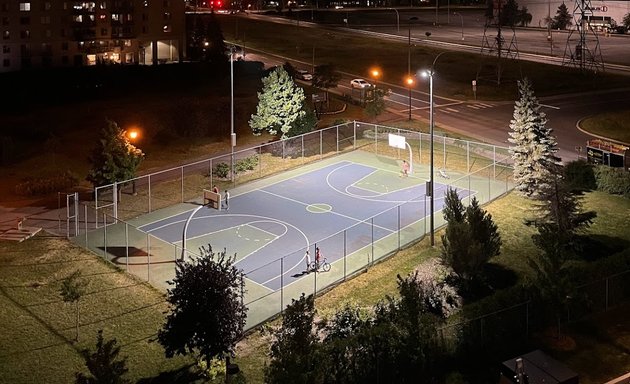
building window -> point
(45, 19)
(102, 5)
(25, 49)
(46, 6)
(64, 46)
(48, 33)
(6, 49)
(25, 7)
(145, 17)
(64, 60)
(25, 34)
(127, 43)
(144, 29)
(6, 62)
(167, 15)
(25, 20)
(6, 35)
(167, 3)
(5, 7)
(166, 28)
(5, 21)
(146, 3)
(103, 31)
(102, 17)
(63, 33)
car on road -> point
(303, 75)
(359, 83)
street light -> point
(409, 79)
(232, 134)
(397, 18)
(430, 74)
(462, 18)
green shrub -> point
(615, 181)
(42, 186)
(246, 164)
(579, 176)
(221, 170)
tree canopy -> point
(562, 20)
(280, 105)
(114, 158)
(533, 145)
(207, 313)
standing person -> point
(215, 189)
(226, 200)
(307, 255)
(405, 168)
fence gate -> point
(71, 212)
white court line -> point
(166, 218)
(452, 110)
(472, 107)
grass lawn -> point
(614, 125)
(38, 327)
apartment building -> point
(57, 33)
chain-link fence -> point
(110, 226)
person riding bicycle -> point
(318, 257)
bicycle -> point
(322, 265)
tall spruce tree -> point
(562, 20)
(280, 104)
(533, 145)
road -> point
(489, 121)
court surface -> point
(284, 219)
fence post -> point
(607, 293)
(337, 139)
(281, 284)
(468, 156)
(376, 139)
(182, 173)
(354, 141)
(398, 227)
(315, 276)
(149, 192)
(321, 145)
(345, 253)
(443, 151)
(303, 159)
(115, 199)
(148, 257)
(372, 227)
(127, 246)
(527, 318)
(104, 236)
(85, 208)
(494, 162)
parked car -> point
(303, 75)
(359, 83)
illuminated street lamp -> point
(133, 134)
(375, 73)
(429, 74)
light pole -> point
(232, 134)
(397, 18)
(462, 18)
(430, 74)
(409, 80)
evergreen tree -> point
(103, 364)
(562, 20)
(294, 350)
(114, 158)
(509, 13)
(533, 145)
(280, 104)
(217, 50)
(626, 21)
(524, 17)
(72, 288)
(471, 238)
(560, 219)
(207, 314)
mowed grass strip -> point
(614, 125)
(38, 327)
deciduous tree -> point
(72, 289)
(325, 77)
(207, 313)
(280, 105)
(114, 158)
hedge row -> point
(222, 170)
